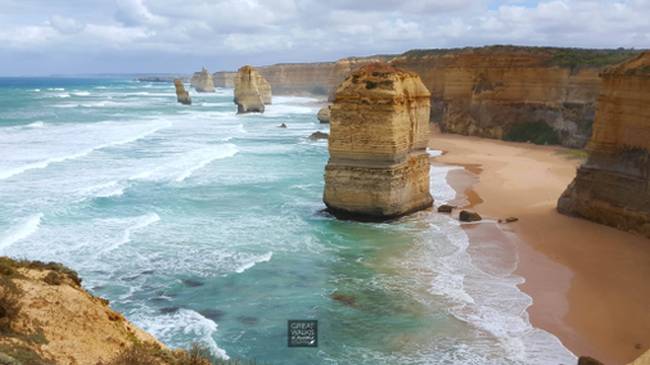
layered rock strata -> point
(252, 91)
(542, 95)
(182, 96)
(613, 186)
(202, 81)
(379, 128)
(324, 114)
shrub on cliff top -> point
(535, 132)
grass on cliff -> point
(146, 354)
(535, 132)
(577, 57)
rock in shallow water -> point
(324, 113)
(445, 208)
(318, 135)
(467, 216)
(378, 167)
(182, 96)
(202, 81)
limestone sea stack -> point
(613, 186)
(252, 91)
(378, 166)
(182, 96)
(324, 114)
(202, 81)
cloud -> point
(228, 32)
(66, 25)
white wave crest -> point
(229, 150)
(141, 222)
(254, 261)
(45, 163)
(167, 328)
(22, 231)
(81, 93)
(37, 124)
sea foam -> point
(28, 227)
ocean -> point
(205, 226)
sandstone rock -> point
(643, 359)
(182, 96)
(318, 135)
(252, 91)
(445, 208)
(283, 125)
(378, 166)
(202, 81)
(224, 79)
(611, 187)
(586, 360)
(323, 115)
(511, 220)
(467, 216)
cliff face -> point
(543, 95)
(182, 96)
(224, 79)
(252, 91)
(613, 186)
(46, 317)
(202, 81)
(378, 166)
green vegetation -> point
(535, 132)
(574, 154)
(577, 57)
(146, 354)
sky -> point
(44, 37)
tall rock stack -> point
(379, 129)
(182, 96)
(202, 81)
(252, 91)
(613, 186)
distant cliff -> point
(613, 186)
(542, 95)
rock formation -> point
(378, 166)
(182, 96)
(224, 79)
(202, 81)
(613, 186)
(324, 113)
(252, 91)
(545, 95)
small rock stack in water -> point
(252, 91)
(182, 96)
(613, 186)
(379, 129)
(202, 81)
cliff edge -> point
(613, 186)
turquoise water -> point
(204, 226)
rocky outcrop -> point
(202, 81)
(378, 166)
(252, 91)
(542, 95)
(182, 96)
(48, 318)
(613, 186)
(224, 79)
(324, 113)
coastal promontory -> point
(252, 91)
(378, 166)
(612, 186)
(202, 81)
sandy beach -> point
(589, 282)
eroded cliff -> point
(202, 81)
(613, 186)
(379, 128)
(542, 95)
(252, 91)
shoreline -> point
(574, 270)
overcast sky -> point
(40, 37)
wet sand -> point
(590, 283)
